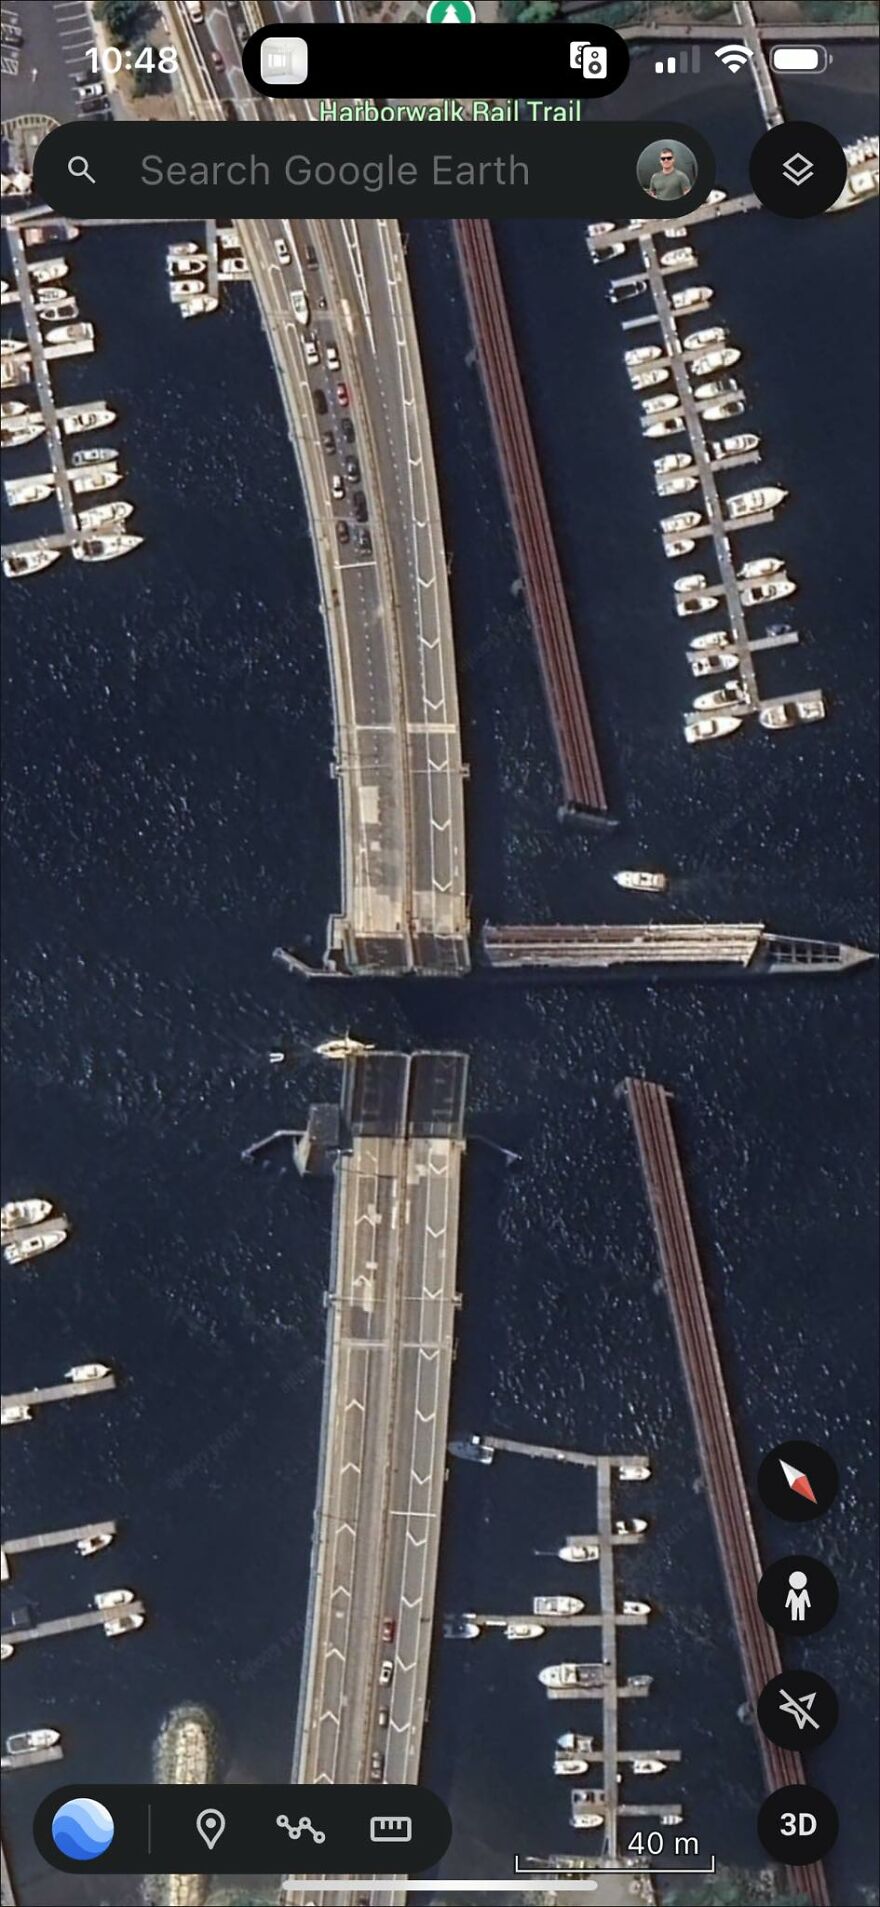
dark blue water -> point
(170, 816)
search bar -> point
(290, 169)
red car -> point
(389, 1628)
(342, 394)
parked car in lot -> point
(329, 442)
(343, 533)
(338, 488)
(94, 90)
(332, 358)
(365, 542)
(353, 469)
(346, 425)
(383, 1717)
(359, 506)
(319, 399)
(96, 107)
(311, 258)
(377, 1765)
(389, 1629)
(216, 59)
(282, 252)
(342, 395)
(313, 355)
(385, 1673)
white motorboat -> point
(345, 1048)
(113, 1598)
(731, 695)
(770, 592)
(754, 502)
(675, 486)
(667, 401)
(634, 1472)
(14, 1414)
(103, 549)
(665, 427)
(695, 605)
(522, 1631)
(579, 1553)
(704, 340)
(729, 407)
(720, 360)
(641, 880)
(679, 546)
(709, 728)
(654, 374)
(760, 566)
(31, 1739)
(85, 1373)
(642, 354)
(679, 524)
(674, 460)
(197, 307)
(719, 662)
(22, 1213)
(26, 1245)
(122, 1625)
(633, 1608)
(557, 1605)
(90, 1545)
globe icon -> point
(82, 1829)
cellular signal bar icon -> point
(684, 62)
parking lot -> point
(38, 74)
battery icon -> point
(799, 59)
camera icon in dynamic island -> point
(590, 60)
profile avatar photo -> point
(667, 170)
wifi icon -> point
(734, 55)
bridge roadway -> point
(391, 1312)
(386, 607)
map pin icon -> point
(210, 1824)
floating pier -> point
(32, 1758)
(582, 785)
(50, 1539)
(601, 1678)
(725, 1491)
(70, 1625)
(550, 1454)
(59, 1393)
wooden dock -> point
(60, 1393)
(70, 1625)
(725, 1490)
(49, 1539)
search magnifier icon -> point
(78, 167)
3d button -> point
(798, 1825)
